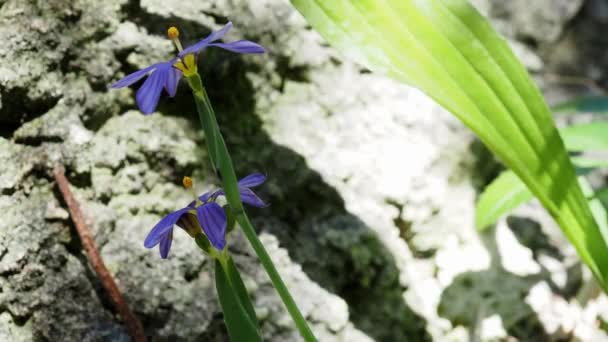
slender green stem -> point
(220, 158)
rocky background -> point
(372, 185)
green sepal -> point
(237, 319)
(203, 242)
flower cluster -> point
(166, 75)
(203, 214)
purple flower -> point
(239, 46)
(247, 195)
(167, 74)
(161, 75)
(205, 214)
(209, 216)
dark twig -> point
(133, 324)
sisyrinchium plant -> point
(204, 219)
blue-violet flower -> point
(167, 74)
(205, 214)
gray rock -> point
(372, 185)
(541, 21)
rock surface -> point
(372, 185)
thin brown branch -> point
(133, 324)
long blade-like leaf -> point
(449, 51)
(503, 195)
(240, 290)
(237, 319)
(507, 191)
(591, 136)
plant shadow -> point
(499, 292)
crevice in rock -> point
(406, 233)
(8, 191)
(19, 321)
(216, 330)
(191, 275)
(36, 141)
(81, 180)
(17, 108)
(291, 73)
(486, 167)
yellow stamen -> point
(189, 184)
(173, 32)
(187, 181)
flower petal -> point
(162, 227)
(172, 81)
(215, 35)
(149, 93)
(134, 77)
(165, 244)
(249, 197)
(252, 180)
(240, 46)
(213, 221)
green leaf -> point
(589, 162)
(597, 207)
(507, 192)
(503, 195)
(586, 137)
(450, 52)
(241, 291)
(239, 325)
(590, 104)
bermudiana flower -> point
(203, 214)
(247, 195)
(167, 74)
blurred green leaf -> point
(500, 197)
(590, 162)
(591, 136)
(241, 291)
(450, 52)
(602, 196)
(589, 104)
(507, 192)
(596, 205)
(237, 319)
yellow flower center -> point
(187, 65)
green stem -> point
(220, 158)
